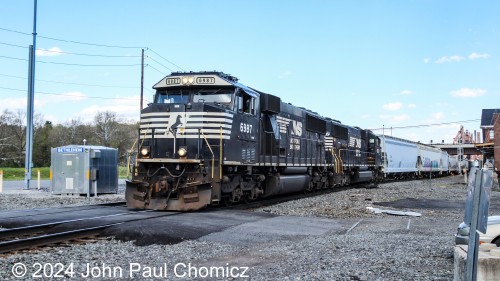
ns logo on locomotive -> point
(207, 139)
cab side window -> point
(245, 103)
(248, 104)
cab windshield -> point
(222, 96)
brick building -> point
(496, 141)
(487, 123)
(490, 125)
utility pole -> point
(28, 165)
(142, 79)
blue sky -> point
(370, 64)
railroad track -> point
(34, 236)
(56, 210)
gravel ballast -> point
(368, 247)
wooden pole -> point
(142, 79)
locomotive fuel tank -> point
(282, 184)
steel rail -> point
(57, 209)
(12, 232)
(26, 243)
(47, 239)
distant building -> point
(487, 122)
(463, 136)
(490, 124)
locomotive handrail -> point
(220, 155)
(338, 161)
(211, 151)
(130, 155)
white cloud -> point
(124, 107)
(412, 105)
(450, 59)
(468, 93)
(69, 96)
(474, 56)
(406, 92)
(43, 99)
(392, 106)
(13, 104)
(427, 60)
(54, 51)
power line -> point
(12, 58)
(166, 60)
(14, 45)
(68, 95)
(92, 44)
(87, 55)
(99, 65)
(74, 42)
(71, 53)
(69, 83)
(159, 71)
(426, 125)
(89, 97)
(15, 31)
(151, 58)
(75, 64)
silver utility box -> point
(88, 170)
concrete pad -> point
(488, 268)
(273, 229)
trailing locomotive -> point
(207, 139)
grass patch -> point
(122, 172)
(18, 173)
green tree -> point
(42, 145)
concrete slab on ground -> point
(488, 268)
(272, 229)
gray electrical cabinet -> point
(85, 170)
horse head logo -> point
(176, 122)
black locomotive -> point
(207, 140)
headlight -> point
(145, 151)
(464, 231)
(182, 152)
(187, 80)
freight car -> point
(431, 160)
(207, 139)
(399, 157)
(404, 159)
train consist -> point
(208, 140)
(404, 159)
